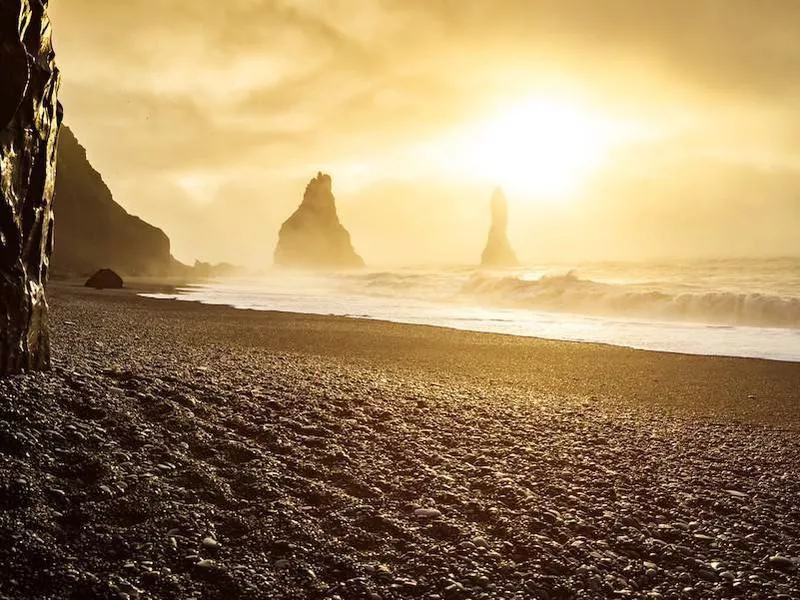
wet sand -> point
(178, 450)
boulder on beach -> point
(105, 279)
(498, 251)
(313, 237)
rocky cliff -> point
(29, 120)
(313, 237)
(92, 230)
(498, 251)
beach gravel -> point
(186, 451)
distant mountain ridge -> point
(92, 231)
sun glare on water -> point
(542, 149)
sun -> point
(542, 149)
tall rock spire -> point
(498, 251)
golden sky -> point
(619, 129)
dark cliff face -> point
(92, 230)
(498, 251)
(313, 237)
(29, 121)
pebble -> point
(782, 563)
(206, 563)
(427, 513)
(736, 493)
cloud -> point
(251, 94)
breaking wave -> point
(570, 293)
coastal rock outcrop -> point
(93, 231)
(105, 279)
(313, 237)
(498, 251)
(30, 116)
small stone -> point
(57, 493)
(206, 563)
(383, 572)
(427, 513)
(736, 493)
(210, 542)
(781, 563)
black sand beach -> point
(187, 451)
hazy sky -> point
(675, 123)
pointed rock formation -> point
(30, 116)
(498, 251)
(92, 230)
(313, 237)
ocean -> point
(748, 308)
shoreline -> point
(759, 342)
(474, 331)
(740, 383)
(158, 287)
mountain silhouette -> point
(92, 231)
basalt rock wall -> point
(30, 116)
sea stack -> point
(498, 251)
(313, 237)
(30, 116)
